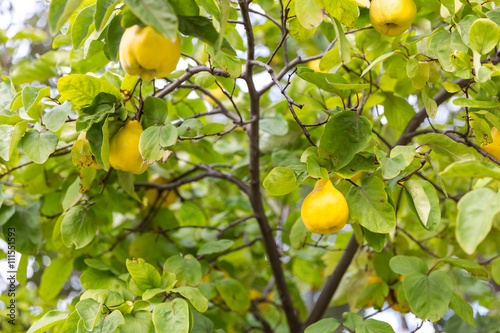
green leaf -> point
(81, 89)
(462, 308)
(102, 106)
(398, 112)
(103, 10)
(154, 140)
(171, 317)
(71, 323)
(374, 326)
(369, 206)
(280, 181)
(98, 136)
(55, 118)
(426, 202)
(202, 28)
(476, 211)
(405, 265)
(140, 322)
(186, 269)
(126, 180)
(145, 275)
(199, 302)
(90, 311)
(204, 79)
(309, 12)
(469, 265)
(155, 112)
(217, 246)
(31, 98)
(428, 295)
(110, 323)
(473, 103)
(227, 63)
(472, 169)
(185, 7)
(376, 61)
(190, 128)
(114, 33)
(430, 104)
(443, 44)
(324, 81)
(298, 234)
(10, 136)
(60, 11)
(234, 294)
(54, 276)
(463, 65)
(78, 227)
(484, 35)
(326, 325)
(418, 72)
(191, 214)
(27, 222)
(81, 26)
(39, 145)
(376, 241)
(443, 145)
(345, 46)
(49, 320)
(400, 158)
(346, 11)
(276, 125)
(495, 270)
(344, 136)
(157, 14)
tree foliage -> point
(268, 97)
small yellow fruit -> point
(392, 17)
(493, 148)
(167, 198)
(324, 210)
(94, 164)
(254, 294)
(145, 52)
(314, 65)
(124, 151)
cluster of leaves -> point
(217, 130)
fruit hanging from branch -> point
(392, 17)
(124, 151)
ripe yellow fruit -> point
(167, 198)
(254, 294)
(124, 151)
(145, 52)
(325, 209)
(314, 65)
(93, 164)
(493, 148)
(392, 17)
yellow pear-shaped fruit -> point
(324, 210)
(493, 148)
(167, 198)
(124, 151)
(145, 52)
(392, 17)
(93, 164)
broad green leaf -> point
(191, 214)
(405, 265)
(27, 222)
(126, 180)
(280, 181)
(102, 106)
(185, 7)
(469, 265)
(462, 308)
(298, 234)
(326, 325)
(39, 145)
(98, 136)
(276, 125)
(60, 11)
(81, 89)
(55, 118)
(234, 294)
(476, 211)
(31, 98)
(426, 202)
(484, 35)
(430, 104)
(49, 320)
(171, 317)
(154, 140)
(157, 14)
(374, 326)
(443, 44)
(145, 275)
(140, 322)
(81, 26)
(90, 311)
(418, 72)
(103, 10)
(204, 79)
(201, 27)
(472, 169)
(369, 206)
(344, 136)
(229, 64)
(217, 246)
(154, 112)
(190, 128)
(463, 65)
(443, 145)
(376, 61)
(344, 45)
(474, 103)
(398, 112)
(186, 269)
(495, 270)
(195, 297)
(324, 81)
(71, 323)
(114, 33)
(400, 157)
(376, 241)
(10, 136)
(78, 227)
(110, 322)
(307, 271)
(428, 295)
(309, 12)
(346, 11)
(54, 276)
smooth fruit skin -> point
(124, 151)
(146, 53)
(392, 17)
(493, 148)
(325, 209)
(167, 198)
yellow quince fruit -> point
(167, 198)
(124, 151)
(83, 145)
(325, 209)
(493, 148)
(146, 53)
(392, 17)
